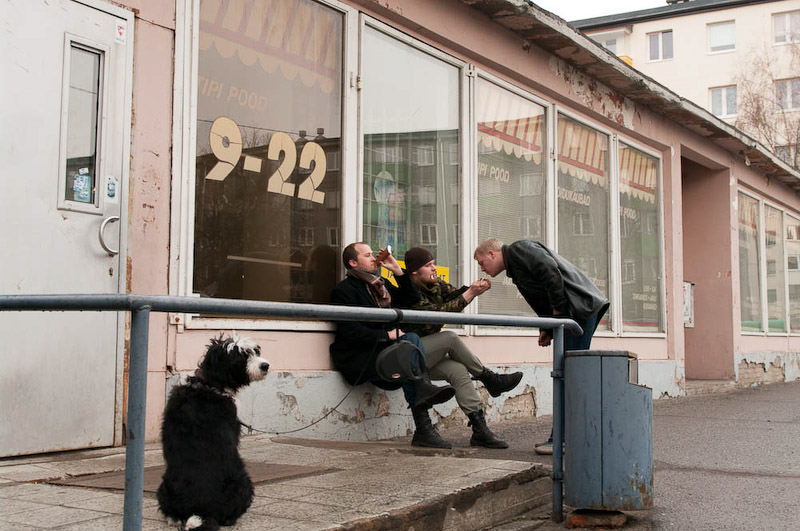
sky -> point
(579, 9)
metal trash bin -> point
(608, 432)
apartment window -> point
(582, 224)
(787, 94)
(723, 101)
(429, 234)
(660, 45)
(722, 37)
(786, 27)
(611, 45)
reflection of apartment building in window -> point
(582, 224)
(723, 55)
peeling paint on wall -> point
(594, 95)
(766, 367)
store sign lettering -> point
(226, 144)
(629, 213)
(574, 197)
(233, 94)
(494, 172)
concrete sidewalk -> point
(364, 486)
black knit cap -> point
(417, 257)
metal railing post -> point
(558, 423)
(137, 395)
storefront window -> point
(776, 297)
(793, 271)
(410, 119)
(749, 264)
(640, 230)
(512, 182)
(583, 202)
(269, 122)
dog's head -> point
(233, 362)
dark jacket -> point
(547, 281)
(357, 344)
(437, 297)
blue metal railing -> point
(140, 307)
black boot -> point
(498, 384)
(425, 435)
(429, 394)
(481, 434)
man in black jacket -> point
(551, 285)
(357, 345)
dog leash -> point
(352, 387)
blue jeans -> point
(583, 342)
(409, 386)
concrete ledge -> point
(483, 505)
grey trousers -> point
(449, 359)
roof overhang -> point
(553, 34)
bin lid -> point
(601, 353)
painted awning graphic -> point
(638, 174)
(509, 123)
(299, 38)
(582, 152)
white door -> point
(64, 137)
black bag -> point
(401, 360)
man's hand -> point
(481, 286)
(391, 264)
(394, 334)
(544, 338)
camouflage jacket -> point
(441, 297)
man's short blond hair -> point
(489, 244)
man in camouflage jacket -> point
(448, 357)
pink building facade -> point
(265, 135)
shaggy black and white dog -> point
(205, 484)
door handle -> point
(106, 248)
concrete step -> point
(709, 387)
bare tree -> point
(768, 107)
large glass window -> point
(583, 201)
(269, 123)
(776, 297)
(793, 270)
(749, 263)
(640, 240)
(410, 120)
(511, 180)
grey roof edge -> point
(748, 148)
(668, 11)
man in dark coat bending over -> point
(552, 287)
(355, 349)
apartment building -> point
(740, 59)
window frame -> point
(792, 104)
(709, 27)
(791, 38)
(660, 46)
(724, 90)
